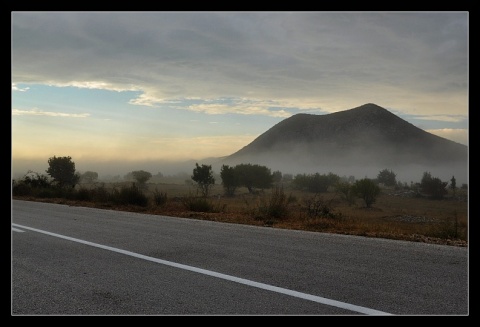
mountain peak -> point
(367, 135)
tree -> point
(453, 185)
(277, 177)
(387, 177)
(254, 176)
(141, 176)
(89, 177)
(433, 186)
(203, 176)
(315, 183)
(367, 190)
(229, 179)
(62, 170)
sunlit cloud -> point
(444, 118)
(456, 135)
(37, 112)
(145, 100)
(238, 108)
(97, 85)
(16, 88)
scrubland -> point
(399, 214)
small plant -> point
(159, 198)
(197, 204)
(277, 205)
(448, 228)
(316, 207)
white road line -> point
(300, 295)
(18, 230)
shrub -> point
(276, 206)
(159, 198)
(197, 204)
(21, 189)
(100, 194)
(387, 177)
(367, 190)
(130, 195)
(84, 194)
(433, 186)
(317, 207)
(345, 190)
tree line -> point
(254, 177)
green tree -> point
(88, 177)
(254, 176)
(203, 176)
(433, 186)
(367, 190)
(387, 177)
(230, 180)
(141, 176)
(62, 170)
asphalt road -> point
(83, 261)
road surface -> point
(84, 261)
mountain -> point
(363, 140)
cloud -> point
(444, 118)
(456, 135)
(99, 85)
(250, 108)
(16, 88)
(332, 60)
(37, 112)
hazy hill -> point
(358, 141)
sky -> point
(123, 91)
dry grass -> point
(393, 215)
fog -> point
(298, 161)
(404, 173)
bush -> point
(21, 189)
(315, 183)
(100, 194)
(277, 205)
(345, 189)
(387, 177)
(48, 193)
(130, 195)
(367, 190)
(433, 186)
(30, 184)
(84, 195)
(197, 204)
(159, 198)
(316, 207)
